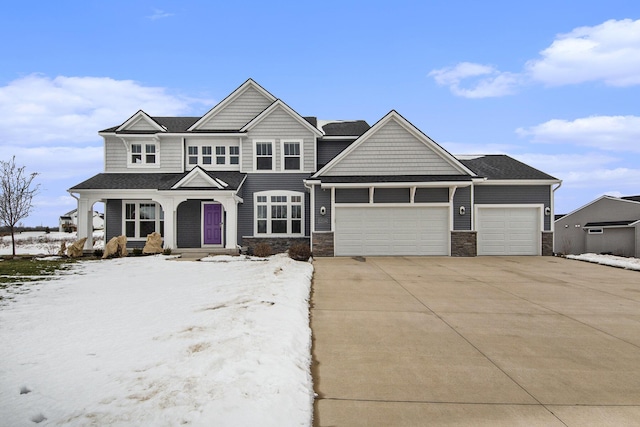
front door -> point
(212, 224)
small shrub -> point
(300, 252)
(98, 253)
(136, 252)
(262, 250)
(166, 251)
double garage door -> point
(391, 230)
(379, 230)
(508, 231)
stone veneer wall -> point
(547, 243)
(464, 243)
(278, 244)
(323, 244)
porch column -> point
(230, 205)
(169, 208)
(85, 221)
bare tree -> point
(16, 195)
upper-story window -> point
(193, 155)
(223, 156)
(220, 155)
(264, 155)
(234, 155)
(206, 155)
(291, 158)
(144, 154)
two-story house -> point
(253, 169)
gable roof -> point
(278, 103)
(394, 116)
(153, 181)
(605, 197)
(138, 117)
(250, 83)
(502, 167)
(611, 223)
(199, 176)
(632, 198)
(343, 127)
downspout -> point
(553, 207)
(312, 209)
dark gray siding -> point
(462, 198)
(113, 219)
(432, 195)
(327, 150)
(188, 224)
(515, 194)
(352, 195)
(391, 195)
(256, 182)
(323, 198)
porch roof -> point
(360, 179)
(151, 181)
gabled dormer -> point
(140, 122)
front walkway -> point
(495, 341)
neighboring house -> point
(69, 221)
(606, 225)
(254, 170)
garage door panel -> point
(391, 231)
(508, 231)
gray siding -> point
(617, 241)
(239, 111)
(327, 150)
(352, 195)
(392, 149)
(391, 195)
(432, 195)
(515, 195)
(277, 126)
(189, 224)
(462, 198)
(112, 219)
(170, 156)
(570, 237)
(323, 198)
(269, 182)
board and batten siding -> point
(389, 151)
(116, 156)
(277, 126)
(238, 112)
(269, 182)
(515, 195)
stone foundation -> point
(323, 244)
(547, 243)
(464, 243)
(278, 244)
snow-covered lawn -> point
(614, 261)
(36, 242)
(159, 342)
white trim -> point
(143, 142)
(393, 205)
(271, 193)
(282, 156)
(255, 142)
(222, 225)
(140, 115)
(158, 217)
(435, 184)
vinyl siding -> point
(462, 198)
(113, 219)
(269, 182)
(189, 224)
(513, 195)
(142, 124)
(327, 150)
(392, 150)
(323, 198)
(170, 156)
(238, 112)
(277, 126)
(391, 195)
(352, 195)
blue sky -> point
(552, 83)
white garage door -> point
(508, 231)
(391, 231)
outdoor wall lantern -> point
(547, 211)
(323, 210)
(462, 210)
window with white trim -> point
(279, 213)
(206, 155)
(142, 218)
(596, 231)
(234, 155)
(193, 154)
(220, 155)
(264, 155)
(142, 154)
(291, 155)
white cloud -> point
(613, 133)
(159, 14)
(609, 52)
(37, 109)
(486, 81)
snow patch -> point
(611, 260)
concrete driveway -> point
(495, 341)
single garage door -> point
(508, 231)
(377, 230)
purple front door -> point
(212, 224)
